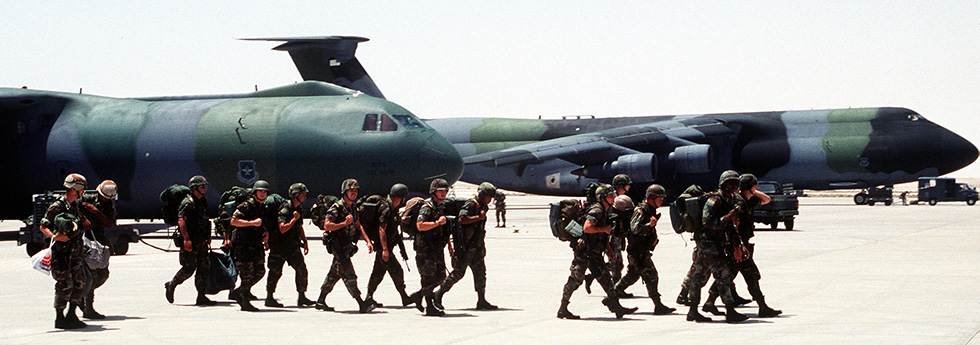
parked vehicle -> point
(874, 195)
(936, 189)
(784, 206)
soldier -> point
(473, 220)
(617, 239)
(100, 207)
(341, 228)
(642, 240)
(588, 254)
(429, 246)
(709, 255)
(67, 263)
(748, 198)
(387, 238)
(289, 247)
(195, 230)
(248, 240)
(501, 208)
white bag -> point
(96, 254)
(41, 261)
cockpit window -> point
(914, 117)
(409, 121)
(374, 122)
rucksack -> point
(226, 208)
(172, 196)
(590, 190)
(318, 213)
(685, 212)
(409, 215)
(566, 219)
(367, 214)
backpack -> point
(590, 197)
(685, 212)
(367, 214)
(409, 215)
(226, 208)
(318, 213)
(173, 196)
(566, 219)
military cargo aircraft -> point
(312, 132)
(815, 149)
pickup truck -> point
(783, 208)
(936, 189)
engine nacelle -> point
(691, 159)
(642, 167)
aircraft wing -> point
(606, 145)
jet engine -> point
(691, 159)
(642, 167)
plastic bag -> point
(41, 261)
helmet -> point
(260, 185)
(656, 190)
(75, 181)
(747, 181)
(399, 191)
(623, 203)
(296, 189)
(348, 185)
(486, 189)
(107, 189)
(728, 175)
(603, 191)
(438, 184)
(197, 181)
(621, 181)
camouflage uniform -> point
(195, 262)
(67, 258)
(617, 240)
(473, 252)
(247, 249)
(342, 245)
(709, 255)
(429, 246)
(500, 206)
(588, 255)
(99, 276)
(387, 214)
(287, 248)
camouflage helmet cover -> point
(656, 190)
(621, 181)
(438, 184)
(75, 181)
(107, 189)
(296, 189)
(728, 175)
(348, 185)
(197, 181)
(486, 189)
(603, 191)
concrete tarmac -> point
(847, 274)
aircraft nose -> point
(442, 158)
(957, 152)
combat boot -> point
(682, 297)
(244, 302)
(430, 309)
(416, 298)
(732, 316)
(659, 308)
(90, 312)
(170, 287)
(563, 312)
(481, 303)
(321, 302)
(71, 319)
(692, 311)
(711, 308)
(365, 306)
(376, 303)
(588, 283)
(271, 302)
(437, 301)
(59, 321)
(406, 299)
(613, 304)
(302, 301)
(765, 310)
(203, 300)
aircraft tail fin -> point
(329, 59)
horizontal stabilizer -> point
(329, 59)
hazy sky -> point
(525, 59)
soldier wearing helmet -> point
(710, 257)
(67, 253)
(500, 207)
(473, 220)
(289, 247)
(429, 246)
(342, 229)
(617, 239)
(248, 238)
(195, 230)
(747, 199)
(622, 183)
(386, 236)
(101, 208)
(588, 254)
(643, 239)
